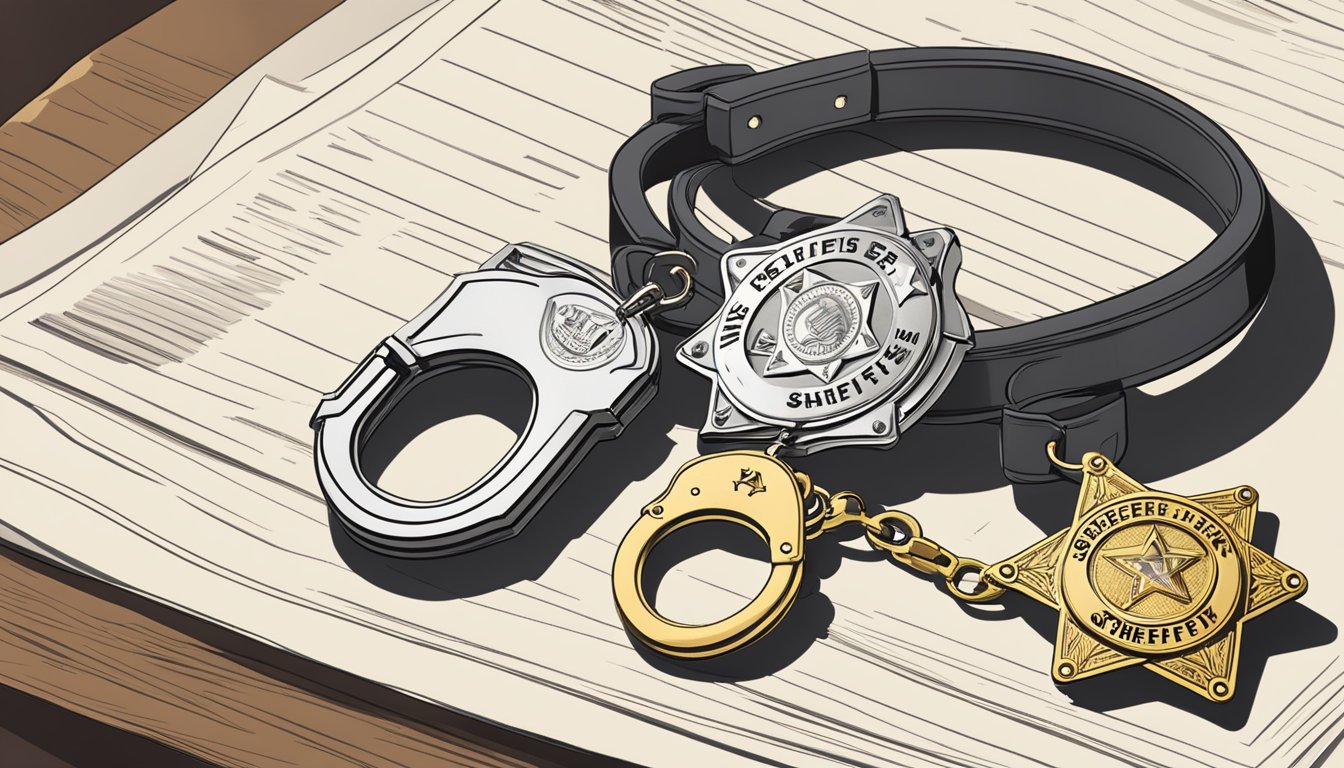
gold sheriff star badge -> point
(1147, 577)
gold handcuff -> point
(1140, 577)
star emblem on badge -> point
(822, 323)
(1146, 577)
(1155, 567)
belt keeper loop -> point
(748, 118)
(1095, 423)
(682, 94)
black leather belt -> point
(740, 135)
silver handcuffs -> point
(842, 336)
(541, 315)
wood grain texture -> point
(112, 103)
(42, 38)
(36, 733)
(204, 690)
(122, 660)
(187, 445)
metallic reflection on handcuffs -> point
(1141, 577)
(842, 336)
(589, 358)
(824, 333)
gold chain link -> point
(913, 549)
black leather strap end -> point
(682, 93)
(1092, 424)
(788, 104)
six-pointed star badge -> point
(1152, 578)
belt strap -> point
(739, 135)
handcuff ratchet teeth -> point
(542, 316)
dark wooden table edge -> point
(336, 686)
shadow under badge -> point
(1295, 627)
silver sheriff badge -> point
(842, 336)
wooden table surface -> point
(90, 647)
